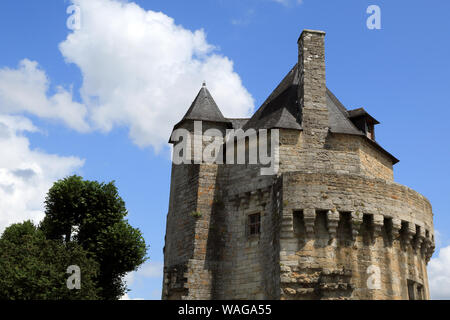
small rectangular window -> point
(415, 290)
(420, 295)
(254, 224)
(411, 290)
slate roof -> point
(281, 110)
(360, 113)
(204, 108)
(338, 117)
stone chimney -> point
(312, 88)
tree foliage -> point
(92, 215)
(84, 225)
(33, 267)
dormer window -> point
(363, 121)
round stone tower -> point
(330, 223)
(347, 230)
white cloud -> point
(439, 275)
(26, 174)
(127, 297)
(24, 90)
(149, 270)
(154, 295)
(141, 70)
(152, 269)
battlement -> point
(345, 227)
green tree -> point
(33, 267)
(92, 214)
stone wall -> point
(342, 154)
(180, 229)
(342, 231)
(374, 163)
(249, 263)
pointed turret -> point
(204, 108)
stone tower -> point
(331, 223)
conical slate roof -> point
(204, 108)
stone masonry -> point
(331, 224)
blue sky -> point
(100, 101)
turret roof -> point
(204, 108)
